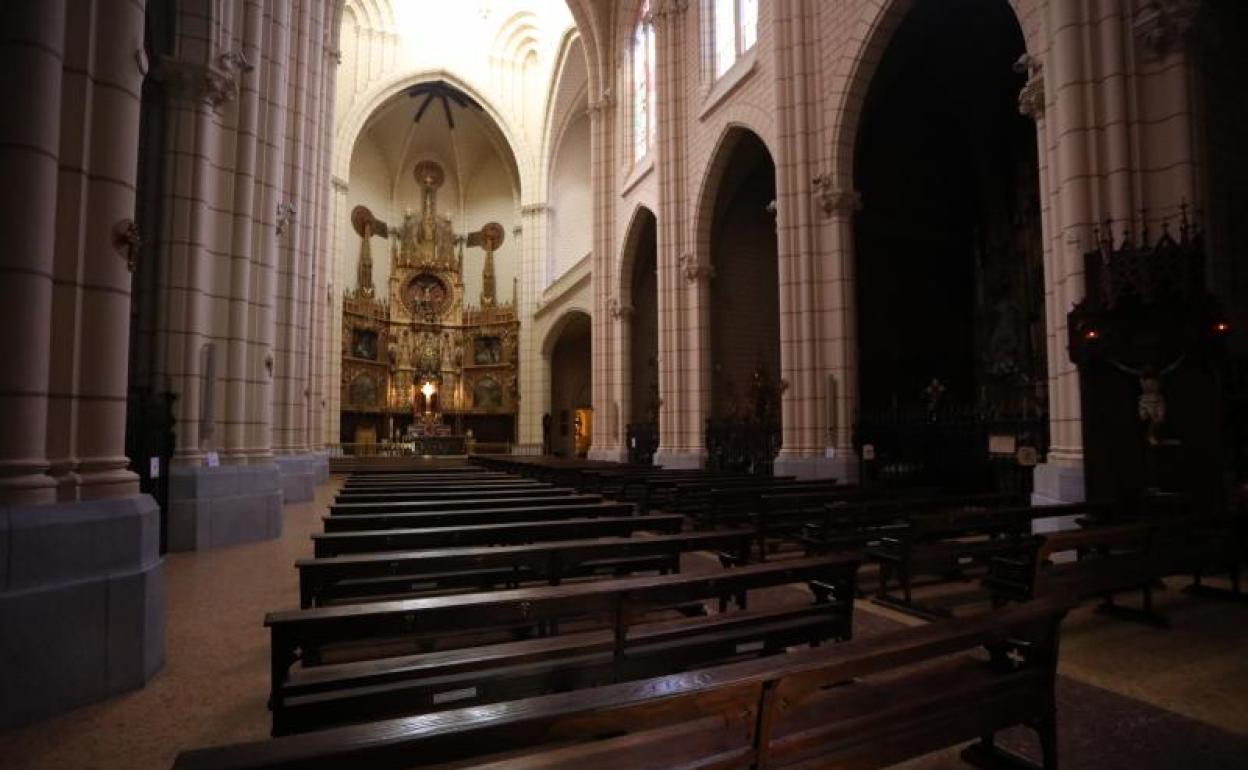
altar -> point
(424, 365)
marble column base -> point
(668, 458)
(298, 474)
(82, 604)
(1054, 485)
(609, 454)
(843, 467)
(213, 507)
(320, 465)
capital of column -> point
(339, 184)
(600, 105)
(202, 82)
(1163, 26)
(833, 200)
(618, 310)
(333, 54)
(665, 8)
(533, 209)
(695, 271)
(1031, 97)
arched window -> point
(735, 30)
(643, 83)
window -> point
(735, 30)
(643, 83)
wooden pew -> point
(543, 511)
(861, 704)
(337, 543)
(440, 486)
(468, 503)
(616, 604)
(478, 493)
(951, 541)
(424, 478)
(1104, 561)
(363, 575)
(856, 521)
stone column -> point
(104, 282)
(244, 226)
(32, 49)
(534, 218)
(1067, 141)
(93, 557)
(621, 315)
(602, 180)
(340, 282)
(837, 327)
(273, 220)
(804, 413)
(683, 275)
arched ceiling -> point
(465, 149)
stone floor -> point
(1130, 696)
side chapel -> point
(423, 365)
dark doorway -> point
(643, 422)
(950, 265)
(570, 388)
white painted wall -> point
(571, 204)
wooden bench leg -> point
(987, 755)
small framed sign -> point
(154, 470)
(214, 460)
(868, 451)
(1002, 444)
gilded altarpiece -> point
(422, 357)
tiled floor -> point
(1132, 696)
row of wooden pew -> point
(914, 533)
(426, 592)
(474, 616)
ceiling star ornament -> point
(447, 94)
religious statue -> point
(366, 226)
(1151, 406)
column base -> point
(1054, 485)
(320, 465)
(298, 474)
(668, 458)
(82, 604)
(213, 507)
(609, 454)
(842, 466)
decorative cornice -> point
(1163, 26)
(211, 85)
(832, 200)
(1031, 97)
(694, 270)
